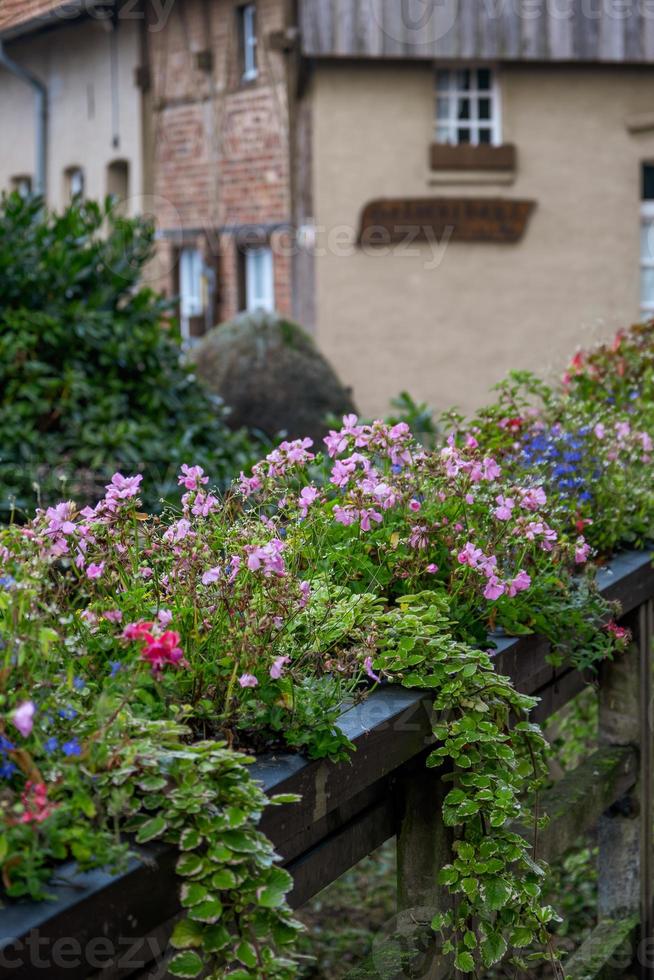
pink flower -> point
(646, 442)
(191, 477)
(622, 430)
(112, 615)
(470, 555)
(599, 431)
(203, 504)
(506, 505)
(415, 505)
(432, 569)
(123, 487)
(494, 589)
(95, 571)
(162, 650)
(490, 469)
(367, 666)
(366, 515)
(307, 497)
(59, 518)
(211, 576)
(582, 551)
(620, 632)
(267, 558)
(277, 668)
(138, 631)
(520, 583)
(345, 515)
(249, 484)
(305, 592)
(248, 680)
(23, 718)
(146, 572)
(533, 498)
(165, 617)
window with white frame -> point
(647, 240)
(75, 183)
(467, 106)
(22, 184)
(248, 36)
(259, 279)
(191, 292)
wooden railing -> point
(347, 810)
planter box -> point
(113, 926)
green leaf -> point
(186, 965)
(151, 829)
(189, 865)
(493, 948)
(247, 954)
(189, 839)
(192, 893)
(521, 936)
(215, 938)
(208, 911)
(496, 893)
(223, 879)
(273, 895)
(186, 935)
(464, 962)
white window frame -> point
(474, 124)
(646, 261)
(248, 26)
(266, 299)
(191, 288)
(76, 183)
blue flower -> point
(115, 666)
(51, 745)
(79, 683)
(71, 748)
(7, 769)
(67, 713)
(7, 581)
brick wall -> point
(220, 146)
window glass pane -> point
(648, 182)
(484, 108)
(483, 78)
(463, 135)
(647, 240)
(443, 134)
(443, 108)
(484, 135)
(463, 79)
(647, 286)
(463, 108)
(444, 81)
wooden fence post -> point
(424, 845)
(625, 830)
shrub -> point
(90, 383)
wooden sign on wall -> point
(456, 219)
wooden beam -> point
(607, 953)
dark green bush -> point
(91, 379)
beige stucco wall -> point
(448, 331)
(75, 63)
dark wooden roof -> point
(605, 31)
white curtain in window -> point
(259, 280)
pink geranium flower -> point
(277, 669)
(248, 680)
(161, 651)
(95, 570)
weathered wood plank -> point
(607, 953)
(582, 30)
(576, 802)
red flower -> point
(621, 634)
(36, 803)
(162, 650)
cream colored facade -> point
(94, 117)
(448, 322)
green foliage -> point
(90, 381)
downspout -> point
(41, 116)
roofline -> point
(67, 12)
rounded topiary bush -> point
(91, 375)
(271, 374)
